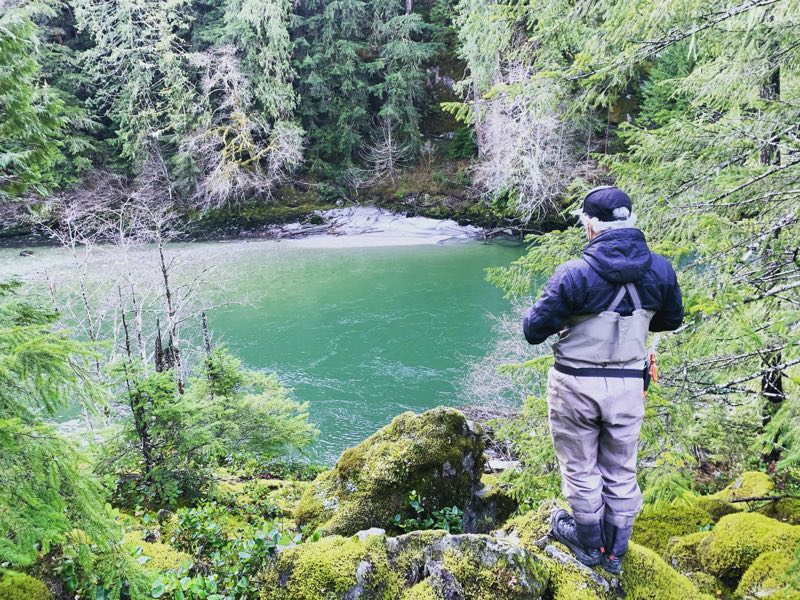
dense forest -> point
(122, 120)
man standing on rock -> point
(602, 307)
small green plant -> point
(448, 518)
(226, 567)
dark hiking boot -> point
(616, 545)
(585, 541)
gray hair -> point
(623, 218)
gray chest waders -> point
(606, 344)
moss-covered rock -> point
(437, 453)
(750, 484)
(645, 576)
(19, 586)
(708, 584)
(657, 525)
(466, 566)
(767, 578)
(683, 552)
(331, 569)
(570, 580)
(532, 525)
(737, 540)
(716, 507)
(418, 565)
(485, 568)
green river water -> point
(360, 333)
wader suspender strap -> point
(631, 290)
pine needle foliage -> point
(46, 492)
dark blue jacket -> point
(588, 285)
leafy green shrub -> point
(448, 518)
(172, 441)
(225, 564)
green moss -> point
(421, 591)
(268, 498)
(493, 504)
(645, 576)
(683, 552)
(750, 484)
(655, 526)
(708, 584)
(765, 577)
(407, 552)
(162, 557)
(532, 525)
(287, 496)
(567, 582)
(486, 575)
(737, 540)
(310, 509)
(331, 569)
(18, 586)
(717, 508)
(435, 453)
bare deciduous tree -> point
(383, 155)
(239, 153)
(528, 149)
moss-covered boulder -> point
(657, 525)
(19, 586)
(645, 576)
(683, 552)
(768, 577)
(437, 453)
(739, 539)
(469, 566)
(331, 569)
(419, 565)
(750, 484)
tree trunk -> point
(771, 91)
(172, 354)
(772, 382)
(136, 402)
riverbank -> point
(343, 227)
